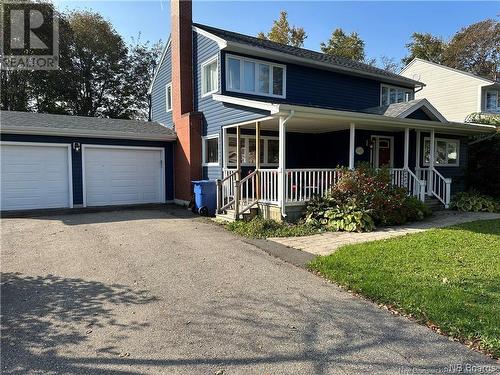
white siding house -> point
(454, 93)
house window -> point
(209, 77)
(269, 150)
(392, 94)
(446, 152)
(168, 96)
(211, 150)
(493, 101)
(256, 77)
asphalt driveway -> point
(157, 292)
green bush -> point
(474, 202)
(362, 198)
(259, 227)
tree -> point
(348, 46)
(283, 33)
(389, 64)
(476, 49)
(425, 46)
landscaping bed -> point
(448, 279)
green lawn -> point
(448, 277)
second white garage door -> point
(122, 175)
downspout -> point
(282, 129)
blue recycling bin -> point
(205, 197)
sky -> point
(384, 26)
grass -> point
(264, 228)
(449, 278)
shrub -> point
(474, 202)
(362, 198)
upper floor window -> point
(446, 151)
(168, 96)
(493, 101)
(209, 76)
(393, 94)
(256, 77)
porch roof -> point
(321, 120)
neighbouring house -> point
(454, 93)
(57, 161)
(272, 123)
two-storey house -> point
(454, 93)
(273, 123)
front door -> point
(381, 151)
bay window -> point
(446, 152)
(269, 150)
(393, 94)
(256, 77)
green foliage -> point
(99, 74)
(259, 227)
(425, 46)
(443, 277)
(362, 198)
(283, 33)
(474, 202)
(483, 118)
(343, 45)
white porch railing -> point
(437, 185)
(405, 178)
(269, 185)
(303, 184)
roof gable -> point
(411, 109)
(158, 67)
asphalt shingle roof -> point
(32, 120)
(335, 61)
(393, 110)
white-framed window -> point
(394, 94)
(493, 101)
(446, 152)
(209, 76)
(168, 96)
(210, 150)
(257, 77)
(269, 150)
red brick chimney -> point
(187, 123)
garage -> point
(122, 175)
(59, 161)
(36, 175)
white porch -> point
(283, 187)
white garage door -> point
(122, 175)
(35, 176)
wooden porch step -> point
(229, 215)
(434, 204)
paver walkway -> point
(327, 243)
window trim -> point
(167, 106)
(209, 61)
(451, 140)
(204, 140)
(487, 110)
(382, 85)
(245, 144)
(242, 59)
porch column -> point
(224, 149)
(417, 152)
(282, 164)
(257, 159)
(407, 147)
(238, 174)
(432, 157)
(352, 130)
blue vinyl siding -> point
(158, 93)
(77, 157)
(215, 114)
(316, 87)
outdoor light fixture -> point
(76, 146)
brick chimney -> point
(187, 123)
